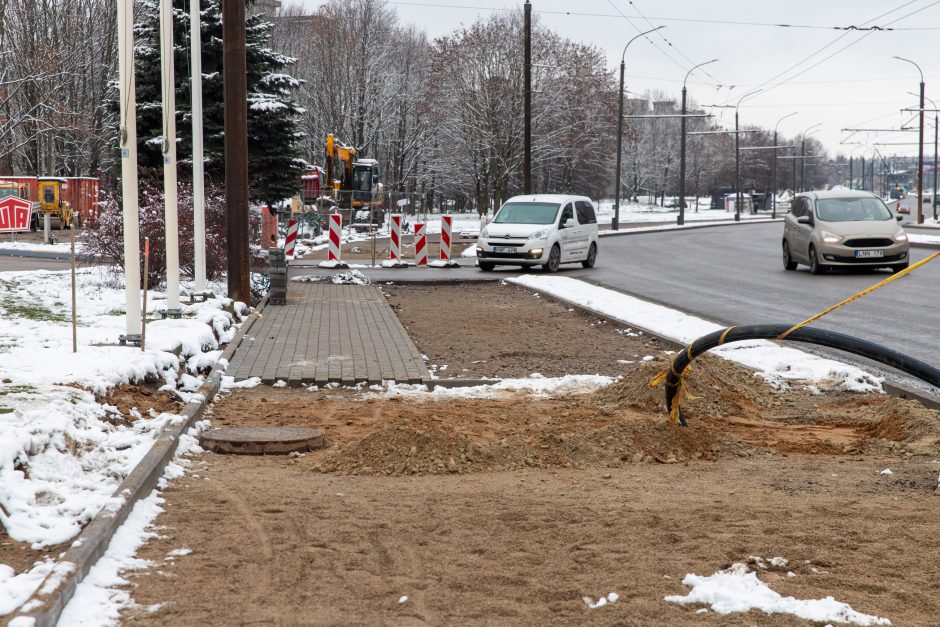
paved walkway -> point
(327, 333)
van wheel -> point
(591, 258)
(554, 260)
(788, 263)
(486, 266)
(814, 266)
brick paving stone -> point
(329, 333)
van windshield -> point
(852, 210)
(527, 213)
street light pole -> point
(803, 157)
(920, 146)
(773, 189)
(616, 224)
(737, 157)
(527, 159)
(933, 196)
(681, 219)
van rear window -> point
(585, 212)
(527, 213)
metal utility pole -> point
(169, 157)
(863, 172)
(128, 145)
(850, 173)
(803, 156)
(527, 162)
(920, 145)
(199, 191)
(616, 224)
(681, 219)
(235, 87)
(738, 199)
(773, 187)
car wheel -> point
(814, 266)
(554, 260)
(591, 258)
(486, 266)
(899, 267)
(788, 263)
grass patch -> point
(17, 389)
(6, 410)
(32, 311)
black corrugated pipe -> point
(820, 337)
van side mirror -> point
(898, 218)
(569, 223)
(804, 220)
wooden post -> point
(143, 317)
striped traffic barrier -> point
(394, 249)
(421, 244)
(447, 229)
(336, 229)
(291, 241)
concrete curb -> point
(685, 227)
(890, 387)
(45, 606)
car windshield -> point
(852, 209)
(527, 213)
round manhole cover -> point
(261, 440)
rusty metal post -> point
(235, 83)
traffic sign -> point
(14, 214)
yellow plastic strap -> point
(724, 336)
(865, 292)
(688, 351)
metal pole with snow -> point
(128, 145)
(199, 192)
(169, 158)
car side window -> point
(566, 214)
(585, 212)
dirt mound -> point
(572, 436)
(716, 388)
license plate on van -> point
(504, 249)
(869, 254)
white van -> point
(542, 229)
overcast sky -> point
(861, 86)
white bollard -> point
(394, 249)
(336, 230)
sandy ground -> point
(512, 510)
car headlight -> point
(900, 236)
(484, 232)
(540, 234)
(831, 238)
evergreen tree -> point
(274, 137)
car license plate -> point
(869, 254)
(503, 249)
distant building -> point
(269, 7)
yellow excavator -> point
(50, 201)
(354, 182)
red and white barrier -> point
(336, 230)
(421, 244)
(394, 249)
(290, 242)
(447, 227)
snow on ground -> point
(918, 238)
(739, 590)
(63, 453)
(633, 212)
(536, 385)
(59, 248)
(103, 593)
(777, 364)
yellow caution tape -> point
(865, 292)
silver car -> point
(848, 229)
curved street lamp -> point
(773, 188)
(623, 56)
(806, 132)
(681, 219)
(737, 156)
(920, 146)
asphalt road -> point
(735, 276)
(31, 263)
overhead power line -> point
(659, 18)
